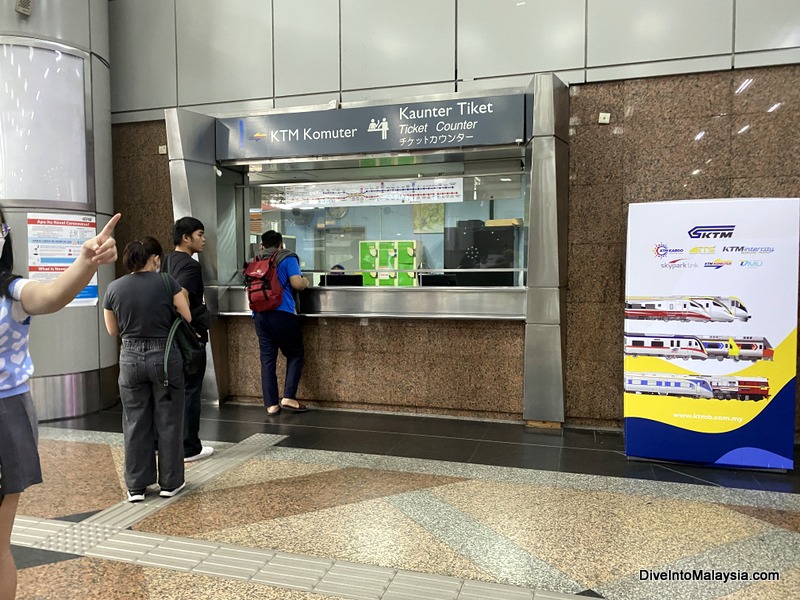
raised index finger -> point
(110, 226)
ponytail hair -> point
(7, 257)
(137, 253)
(6, 263)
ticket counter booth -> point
(430, 227)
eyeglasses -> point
(4, 230)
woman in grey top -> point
(138, 308)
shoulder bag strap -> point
(167, 260)
(279, 260)
(172, 330)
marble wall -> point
(648, 152)
(142, 188)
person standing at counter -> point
(280, 330)
(188, 235)
(19, 299)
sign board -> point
(435, 125)
(711, 331)
(364, 193)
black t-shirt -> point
(188, 274)
(142, 305)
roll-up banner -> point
(711, 331)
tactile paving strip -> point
(277, 569)
(29, 531)
(125, 514)
(76, 539)
(293, 571)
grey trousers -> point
(151, 411)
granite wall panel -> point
(708, 135)
(394, 365)
(142, 191)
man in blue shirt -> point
(280, 329)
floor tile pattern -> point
(220, 509)
(770, 551)
(496, 554)
(327, 505)
(64, 466)
(372, 533)
(598, 536)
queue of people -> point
(161, 403)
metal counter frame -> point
(411, 302)
(201, 189)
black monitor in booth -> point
(341, 280)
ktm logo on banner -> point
(711, 231)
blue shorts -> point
(19, 455)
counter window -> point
(464, 231)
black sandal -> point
(300, 408)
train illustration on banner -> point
(708, 387)
(706, 309)
(699, 347)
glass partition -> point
(452, 231)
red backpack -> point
(264, 290)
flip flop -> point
(272, 413)
(300, 408)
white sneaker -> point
(170, 493)
(204, 453)
(135, 495)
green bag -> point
(193, 350)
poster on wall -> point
(364, 193)
(711, 331)
(428, 218)
(54, 242)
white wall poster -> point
(54, 242)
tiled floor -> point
(351, 505)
